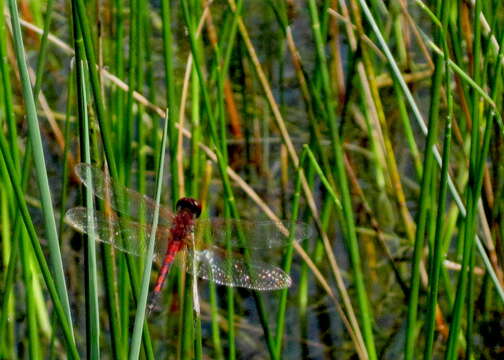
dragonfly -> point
(182, 232)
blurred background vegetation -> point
(377, 123)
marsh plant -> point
(374, 125)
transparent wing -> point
(122, 199)
(126, 236)
(256, 234)
(233, 270)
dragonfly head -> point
(189, 204)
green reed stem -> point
(230, 300)
(187, 337)
(282, 307)
(118, 297)
(124, 166)
(171, 97)
(140, 35)
(437, 250)
(33, 343)
(468, 236)
(425, 192)
(92, 306)
(477, 159)
(144, 292)
(6, 332)
(19, 235)
(38, 152)
(50, 283)
(44, 46)
(340, 175)
(7, 88)
(81, 18)
(10, 249)
(117, 105)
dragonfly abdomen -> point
(173, 248)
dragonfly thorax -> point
(183, 225)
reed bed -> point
(376, 124)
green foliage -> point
(376, 124)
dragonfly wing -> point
(235, 271)
(126, 236)
(256, 234)
(122, 199)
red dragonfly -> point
(183, 232)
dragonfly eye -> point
(189, 204)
